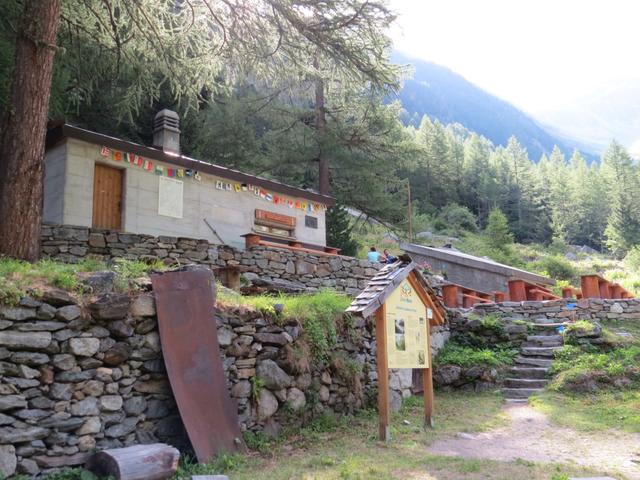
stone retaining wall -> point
(562, 310)
(83, 375)
(346, 274)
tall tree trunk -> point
(321, 128)
(24, 128)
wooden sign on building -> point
(405, 308)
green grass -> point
(320, 314)
(18, 278)
(601, 411)
(572, 364)
(339, 447)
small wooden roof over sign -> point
(387, 280)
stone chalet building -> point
(97, 181)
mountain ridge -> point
(447, 96)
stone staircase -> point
(529, 373)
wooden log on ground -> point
(156, 461)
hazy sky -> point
(538, 54)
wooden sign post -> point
(405, 307)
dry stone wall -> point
(556, 311)
(311, 272)
(76, 376)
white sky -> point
(537, 54)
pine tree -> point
(339, 228)
(497, 231)
(623, 225)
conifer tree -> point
(497, 231)
(339, 229)
(623, 225)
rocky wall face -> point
(310, 272)
(78, 376)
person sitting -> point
(374, 256)
(390, 258)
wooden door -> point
(107, 197)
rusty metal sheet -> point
(185, 304)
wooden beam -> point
(590, 286)
(384, 412)
(427, 382)
(517, 291)
(450, 295)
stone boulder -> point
(444, 375)
(57, 297)
(296, 399)
(8, 460)
(110, 306)
(267, 404)
(272, 375)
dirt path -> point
(530, 436)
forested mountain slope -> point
(443, 94)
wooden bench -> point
(456, 296)
(255, 239)
(596, 286)
(571, 292)
(521, 291)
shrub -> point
(463, 356)
(456, 219)
(556, 267)
(574, 366)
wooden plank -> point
(427, 382)
(450, 295)
(590, 286)
(605, 291)
(517, 291)
(384, 412)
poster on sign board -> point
(406, 328)
(170, 197)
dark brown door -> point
(107, 197)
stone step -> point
(542, 344)
(548, 327)
(525, 382)
(538, 351)
(519, 392)
(516, 400)
(528, 372)
(532, 361)
(544, 339)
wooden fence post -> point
(383, 375)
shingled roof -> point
(385, 282)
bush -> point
(576, 367)
(556, 266)
(456, 219)
(455, 354)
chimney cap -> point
(165, 112)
